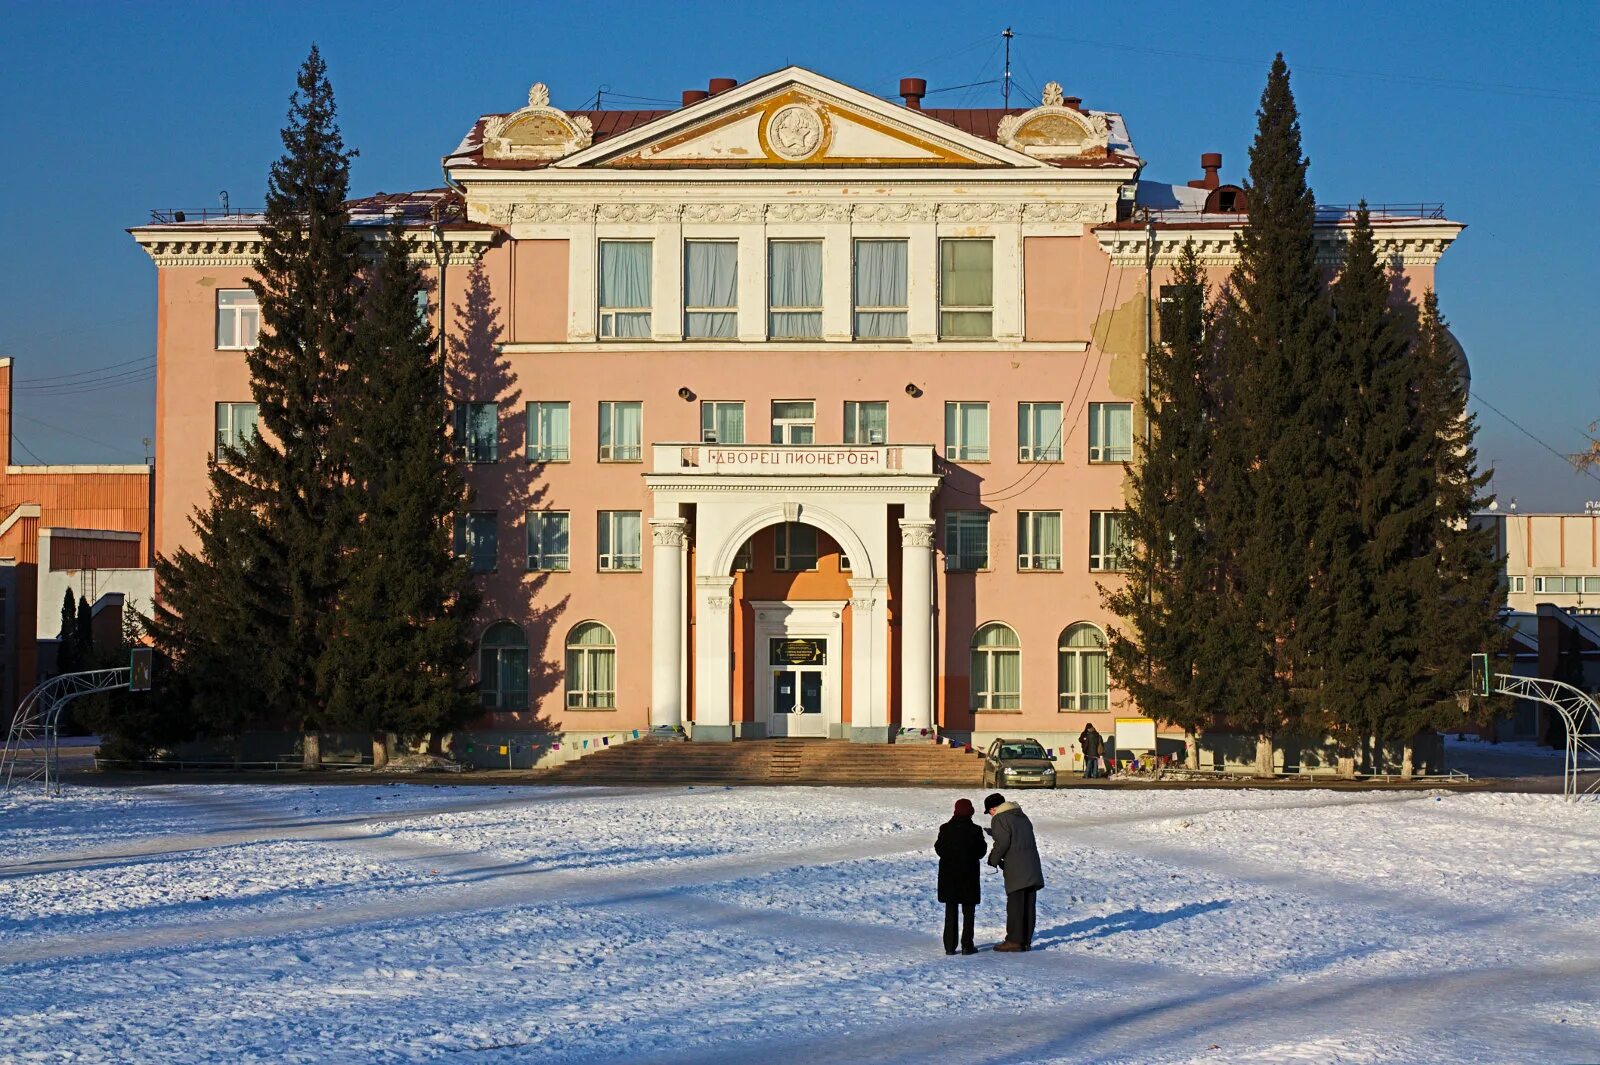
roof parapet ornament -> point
(537, 131)
(1055, 131)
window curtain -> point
(553, 430)
(1007, 680)
(730, 423)
(482, 434)
(1119, 433)
(966, 279)
(1047, 538)
(880, 282)
(625, 283)
(553, 536)
(980, 679)
(871, 422)
(795, 280)
(1042, 430)
(627, 545)
(975, 430)
(711, 279)
(1093, 667)
(623, 430)
(514, 678)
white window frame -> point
(954, 521)
(605, 327)
(236, 315)
(783, 555)
(858, 309)
(1519, 584)
(1032, 555)
(538, 559)
(773, 309)
(536, 412)
(689, 308)
(783, 428)
(467, 543)
(1029, 449)
(710, 409)
(1099, 429)
(615, 452)
(959, 450)
(581, 696)
(854, 430)
(464, 440)
(1076, 698)
(225, 442)
(614, 561)
(945, 308)
(1107, 557)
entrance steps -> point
(775, 762)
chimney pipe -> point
(693, 96)
(1211, 162)
(913, 90)
(717, 85)
(1074, 102)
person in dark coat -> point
(960, 849)
(1016, 854)
(1093, 745)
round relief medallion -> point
(794, 132)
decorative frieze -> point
(1067, 212)
(892, 212)
(638, 212)
(238, 249)
(808, 212)
(980, 212)
(722, 213)
(1216, 247)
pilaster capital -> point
(916, 533)
(669, 532)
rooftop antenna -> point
(1005, 82)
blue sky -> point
(113, 109)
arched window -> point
(996, 669)
(1081, 668)
(591, 667)
(503, 667)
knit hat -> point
(963, 807)
(995, 799)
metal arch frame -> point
(1579, 712)
(37, 724)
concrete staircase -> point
(774, 762)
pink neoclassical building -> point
(791, 411)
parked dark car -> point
(1018, 764)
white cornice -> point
(792, 347)
(172, 245)
(1418, 243)
(23, 471)
(877, 177)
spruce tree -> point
(1382, 567)
(84, 623)
(1272, 439)
(67, 658)
(403, 642)
(1167, 602)
(1461, 606)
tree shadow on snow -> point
(1138, 919)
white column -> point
(713, 664)
(666, 621)
(916, 623)
(869, 661)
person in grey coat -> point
(1016, 854)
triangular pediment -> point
(796, 118)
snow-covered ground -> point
(484, 924)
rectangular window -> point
(619, 540)
(477, 432)
(1038, 432)
(1106, 543)
(794, 548)
(238, 319)
(966, 432)
(866, 423)
(794, 289)
(548, 543)
(880, 289)
(966, 540)
(549, 432)
(966, 289)
(1039, 540)
(721, 422)
(625, 289)
(1111, 432)
(621, 432)
(794, 421)
(476, 539)
(1519, 584)
(710, 290)
(236, 425)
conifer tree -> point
(67, 658)
(84, 623)
(399, 662)
(1167, 601)
(1271, 444)
(1460, 610)
(1382, 567)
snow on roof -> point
(412, 210)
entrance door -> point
(798, 667)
